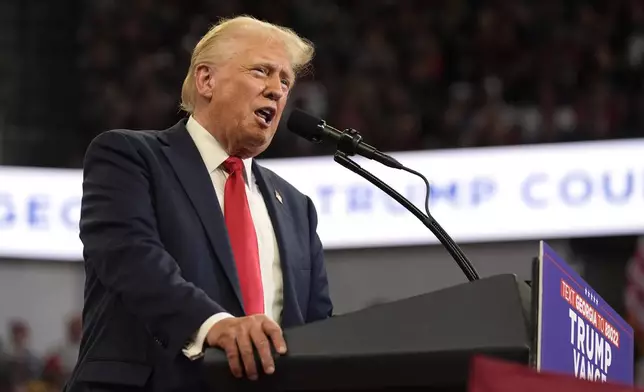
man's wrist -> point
(195, 348)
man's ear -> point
(205, 80)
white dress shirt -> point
(214, 156)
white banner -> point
(39, 212)
(487, 194)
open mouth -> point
(266, 115)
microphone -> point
(349, 141)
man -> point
(188, 242)
(25, 364)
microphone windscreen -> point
(305, 125)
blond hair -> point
(214, 47)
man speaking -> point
(189, 243)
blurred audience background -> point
(408, 74)
(22, 370)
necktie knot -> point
(234, 165)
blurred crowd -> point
(407, 74)
(23, 371)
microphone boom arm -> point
(449, 244)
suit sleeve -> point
(122, 245)
(320, 305)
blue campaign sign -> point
(577, 332)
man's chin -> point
(253, 147)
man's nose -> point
(274, 88)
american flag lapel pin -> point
(278, 197)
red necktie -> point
(243, 238)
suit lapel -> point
(188, 165)
(291, 314)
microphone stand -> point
(346, 147)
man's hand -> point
(237, 336)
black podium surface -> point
(424, 343)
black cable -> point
(449, 244)
(437, 227)
(427, 187)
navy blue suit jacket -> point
(158, 261)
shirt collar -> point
(212, 153)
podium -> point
(420, 343)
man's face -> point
(248, 95)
